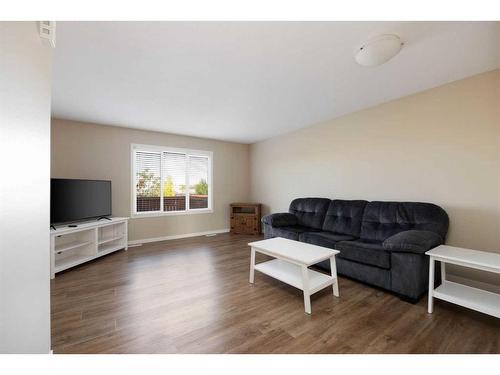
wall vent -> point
(47, 31)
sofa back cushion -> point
(384, 219)
(310, 212)
(344, 217)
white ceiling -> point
(248, 81)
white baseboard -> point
(178, 236)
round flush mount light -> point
(378, 50)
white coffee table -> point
(463, 295)
(291, 265)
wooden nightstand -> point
(245, 218)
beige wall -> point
(440, 146)
(81, 150)
(25, 66)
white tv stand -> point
(70, 246)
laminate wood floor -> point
(193, 296)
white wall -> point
(441, 146)
(24, 194)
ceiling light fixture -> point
(378, 50)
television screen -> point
(73, 200)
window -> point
(169, 181)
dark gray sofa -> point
(380, 243)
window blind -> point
(148, 181)
(198, 182)
(174, 181)
(170, 180)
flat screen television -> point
(76, 200)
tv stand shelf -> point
(106, 240)
(71, 246)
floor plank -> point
(193, 296)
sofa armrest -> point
(283, 219)
(413, 241)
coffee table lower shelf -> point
(291, 274)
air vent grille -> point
(48, 32)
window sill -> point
(172, 213)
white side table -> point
(472, 298)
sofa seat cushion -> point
(291, 232)
(366, 252)
(325, 239)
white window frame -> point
(134, 147)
